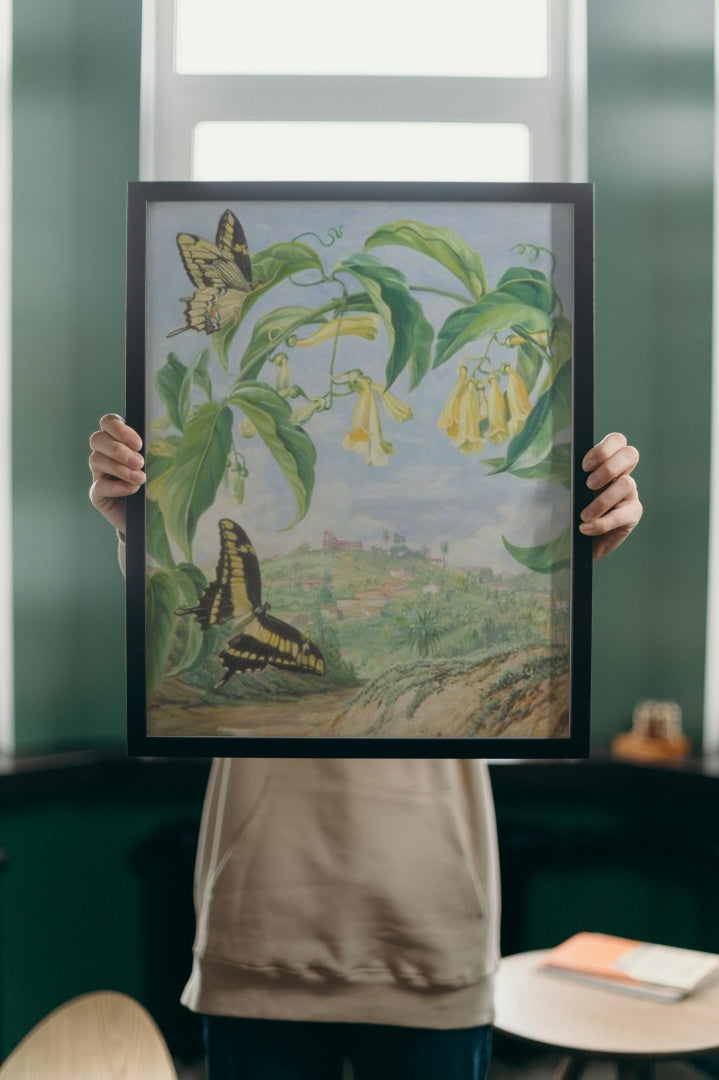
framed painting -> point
(364, 408)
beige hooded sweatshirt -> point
(347, 890)
(354, 890)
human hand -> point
(116, 468)
(610, 517)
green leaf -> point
(269, 267)
(188, 637)
(160, 602)
(158, 546)
(355, 302)
(195, 374)
(193, 645)
(556, 467)
(169, 385)
(272, 330)
(279, 261)
(201, 374)
(186, 646)
(410, 335)
(494, 312)
(442, 244)
(222, 340)
(213, 640)
(238, 485)
(529, 364)
(528, 287)
(545, 558)
(188, 487)
(158, 459)
(551, 415)
(198, 579)
(560, 344)
(290, 446)
(164, 446)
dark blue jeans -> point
(239, 1049)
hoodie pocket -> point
(353, 882)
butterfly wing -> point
(236, 593)
(221, 274)
(231, 239)
(268, 640)
(208, 310)
(236, 590)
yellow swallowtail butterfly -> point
(221, 274)
(236, 593)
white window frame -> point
(553, 108)
(7, 711)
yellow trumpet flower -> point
(462, 414)
(482, 399)
(284, 379)
(541, 338)
(364, 326)
(498, 431)
(365, 433)
(468, 438)
(398, 410)
(518, 401)
(305, 412)
(448, 419)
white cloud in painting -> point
(528, 523)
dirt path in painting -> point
(523, 693)
(268, 719)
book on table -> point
(661, 972)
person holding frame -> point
(349, 908)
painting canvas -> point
(363, 409)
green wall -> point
(76, 98)
(76, 87)
(79, 899)
(650, 156)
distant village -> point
(332, 543)
(394, 577)
(398, 547)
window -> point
(471, 40)
(359, 150)
(488, 92)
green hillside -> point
(370, 609)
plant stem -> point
(443, 292)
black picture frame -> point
(201, 288)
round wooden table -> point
(588, 1022)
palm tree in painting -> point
(444, 548)
(424, 632)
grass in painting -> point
(360, 607)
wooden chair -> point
(99, 1036)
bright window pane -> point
(279, 150)
(498, 38)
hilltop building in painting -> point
(331, 543)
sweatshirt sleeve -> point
(121, 550)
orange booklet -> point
(661, 972)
